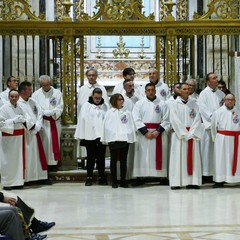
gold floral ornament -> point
(222, 9)
(117, 10)
(15, 10)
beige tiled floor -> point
(151, 212)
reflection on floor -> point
(151, 212)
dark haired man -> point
(150, 115)
(13, 122)
(185, 161)
(12, 83)
(36, 163)
(209, 100)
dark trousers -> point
(119, 154)
(95, 151)
(10, 223)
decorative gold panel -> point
(116, 10)
(15, 10)
(221, 9)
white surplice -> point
(85, 92)
(12, 170)
(118, 126)
(225, 119)
(33, 112)
(146, 111)
(90, 121)
(183, 116)
(51, 100)
(208, 102)
(4, 95)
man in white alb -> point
(162, 90)
(12, 83)
(13, 122)
(36, 163)
(85, 91)
(51, 103)
(192, 83)
(151, 119)
(209, 100)
(225, 133)
(185, 159)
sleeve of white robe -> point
(196, 128)
(136, 113)
(59, 107)
(165, 119)
(214, 125)
(178, 127)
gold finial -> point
(169, 16)
(66, 5)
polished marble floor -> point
(152, 212)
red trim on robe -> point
(54, 133)
(41, 152)
(234, 134)
(19, 132)
(158, 145)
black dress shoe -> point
(102, 181)
(164, 182)
(139, 182)
(7, 188)
(192, 187)
(42, 226)
(45, 182)
(114, 185)
(124, 185)
(88, 182)
(218, 185)
(175, 188)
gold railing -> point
(174, 39)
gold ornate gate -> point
(183, 47)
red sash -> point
(54, 133)
(234, 134)
(19, 132)
(190, 155)
(41, 152)
(158, 145)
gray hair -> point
(192, 79)
(44, 77)
(92, 69)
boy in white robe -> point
(225, 133)
(185, 161)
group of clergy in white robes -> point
(26, 137)
(191, 149)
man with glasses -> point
(86, 90)
(192, 83)
(50, 101)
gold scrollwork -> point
(15, 9)
(223, 9)
(117, 10)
